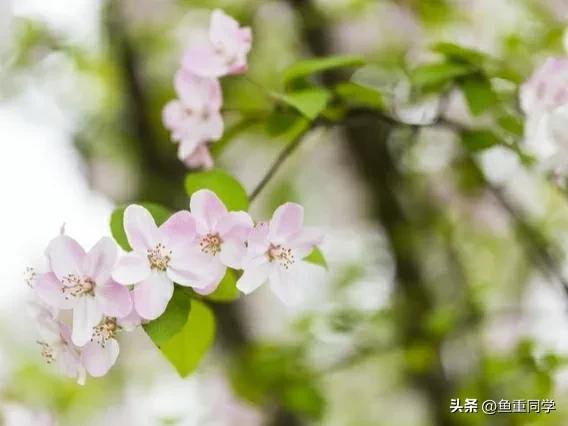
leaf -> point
(227, 290)
(172, 320)
(513, 124)
(308, 67)
(280, 123)
(187, 348)
(360, 95)
(457, 53)
(309, 102)
(158, 212)
(479, 140)
(438, 74)
(316, 257)
(227, 188)
(478, 93)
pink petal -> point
(69, 362)
(284, 284)
(98, 359)
(87, 314)
(99, 261)
(258, 242)
(216, 274)
(198, 94)
(151, 297)
(207, 209)
(130, 321)
(65, 256)
(173, 115)
(203, 61)
(286, 221)
(304, 242)
(200, 159)
(178, 232)
(140, 228)
(235, 226)
(255, 274)
(192, 270)
(233, 253)
(187, 147)
(49, 290)
(114, 299)
(131, 268)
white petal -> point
(255, 274)
(151, 297)
(87, 314)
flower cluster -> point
(108, 293)
(194, 119)
(544, 100)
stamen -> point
(282, 255)
(211, 244)
(106, 330)
(159, 257)
(75, 286)
(47, 352)
(30, 276)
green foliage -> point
(478, 140)
(316, 257)
(268, 373)
(456, 53)
(186, 349)
(479, 93)
(305, 68)
(227, 188)
(158, 212)
(162, 329)
(432, 76)
(355, 94)
(227, 290)
(309, 102)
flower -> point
(221, 234)
(194, 119)
(544, 100)
(227, 50)
(100, 354)
(56, 344)
(200, 158)
(82, 282)
(275, 253)
(161, 256)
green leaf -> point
(158, 212)
(360, 95)
(479, 140)
(309, 102)
(438, 74)
(280, 123)
(227, 188)
(187, 348)
(170, 323)
(478, 93)
(457, 53)
(316, 257)
(513, 124)
(308, 67)
(227, 290)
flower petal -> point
(284, 283)
(115, 299)
(87, 314)
(255, 274)
(209, 283)
(286, 221)
(204, 62)
(131, 269)
(141, 230)
(49, 290)
(235, 225)
(200, 159)
(178, 232)
(152, 295)
(65, 256)
(233, 253)
(98, 262)
(98, 359)
(207, 209)
(305, 241)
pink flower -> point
(200, 158)
(82, 282)
(221, 235)
(544, 99)
(227, 51)
(100, 354)
(275, 253)
(160, 257)
(56, 344)
(195, 117)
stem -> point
(282, 157)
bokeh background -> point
(432, 291)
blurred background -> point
(444, 271)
